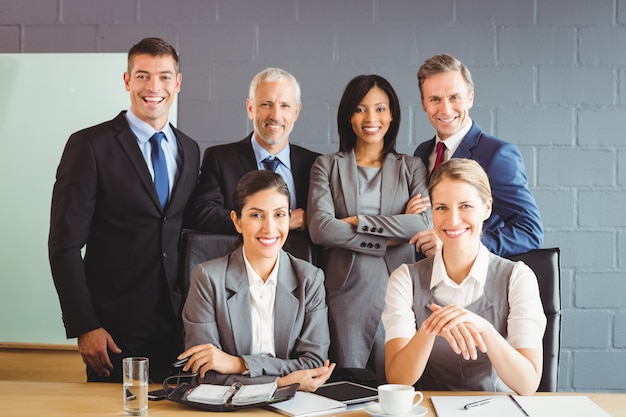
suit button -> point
(363, 244)
(365, 228)
(164, 220)
(164, 254)
(380, 230)
(377, 246)
(370, 246)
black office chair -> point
(546, 265)
(199, 247)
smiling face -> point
(273, 111)
(372, 117)
(153, 83)
(447, 100)
(264, 225)
(458, 214)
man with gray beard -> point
(273, 105)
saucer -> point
(375, 411)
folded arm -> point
(331, 228)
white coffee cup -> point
(397, 399)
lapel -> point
(428, 150)
(128, 141)
(183, 171)
(236, 283)
(285, 306)
(300, 171)
(469, 142)
(391, 174)
(347, 181)
(246, 155)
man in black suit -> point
(126, 208)
(273, 105)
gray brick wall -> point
(550, 76)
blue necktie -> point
(161, 180)
(271, 163)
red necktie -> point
(439, 159)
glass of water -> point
(135, 386)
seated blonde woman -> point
(463, 319)
(258, 314)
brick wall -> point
(550, 76)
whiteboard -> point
(43, 99)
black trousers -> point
(161, 345)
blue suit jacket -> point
(515, 224)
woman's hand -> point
(309, 379)
(461, 328)
(417, 204)
(426, 241)
(208, 357)
(353, 220)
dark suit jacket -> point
(515, 224)
(104, 199)
(222, 167)
(217, 311)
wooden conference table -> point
(53, 399)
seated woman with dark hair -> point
(464, 319)
(258, 314)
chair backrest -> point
(199, 247)
(546, 264)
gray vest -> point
(445, 370)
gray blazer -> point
(217, 311)
(333, 195)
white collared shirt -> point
(262, 300)
(284, 168)
(526, 320)
(143, 132)
(451, 145)
(446, 291)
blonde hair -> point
(461, 169)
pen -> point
(519, 405)
(477, 403)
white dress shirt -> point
(262, 298)
(451, 144)
(526, 321)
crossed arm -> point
(466, 333)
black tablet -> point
(348, 392)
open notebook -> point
(237, 393)
(507, 406)
(228, 397)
